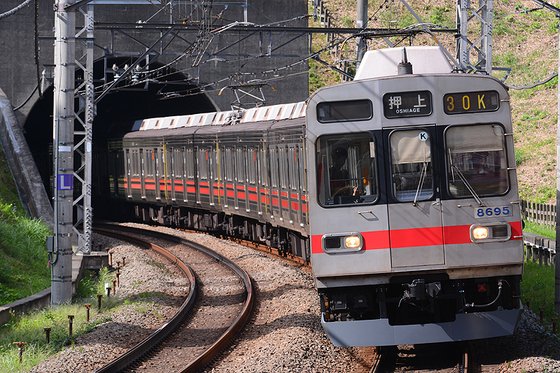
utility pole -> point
(361, 22)
(63, 147)
(481, 47)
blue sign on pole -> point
(65, 181)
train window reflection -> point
(346, 171)
(411, 165)
(476, 159)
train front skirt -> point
(467, 326)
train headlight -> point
(342, 242)
(491, 232)
(353, 242)
(480, 233)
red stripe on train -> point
(417, 237)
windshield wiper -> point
(420, 182)
(469, 187)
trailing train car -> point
(400, 188)
(199, 171)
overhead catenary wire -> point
(330, 46)
(15, 10)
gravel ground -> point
(285, 334)
(532, 348)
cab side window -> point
(346, 172)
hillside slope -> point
(525, 40)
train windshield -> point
(411, 165)
(476, 160)
(346, 171)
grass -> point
(23, 259)
(538, 282)
(538, 286)
(29, 328)
(541, 230)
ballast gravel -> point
(284, 335)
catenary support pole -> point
(63, 164)
(361, 22)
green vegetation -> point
(538, 285)
(541, 230)
(30, 328)
(538, 282)
(23, 258)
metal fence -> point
(539, 213)
(539, 249)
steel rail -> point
(225, 339)
(159, 335)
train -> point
(399, 187)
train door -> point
(275, 206)
(190, 179)
(135, 173)
(177, 173)
(229, 172)
(252, 165)
(261, 181)
(158, 174)
(293, 179)
(167, 179)
(240, 192)
(220, 174)
(212, 176)
(284, 183)
(414, 208)
(203, 190)
(142, 175)
(128, 173)
(184, 173)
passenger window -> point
(411, 165)
(476, 160)
(346, 171)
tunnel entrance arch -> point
(172, 93)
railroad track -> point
(433, 358)
(218, 305)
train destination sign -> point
(407, 104)
(471, 102)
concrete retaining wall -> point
(42, 299)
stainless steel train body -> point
(400, 189)
(420, 240)
(245, 180)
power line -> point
(15, 10)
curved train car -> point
(400, 189)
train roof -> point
(384, 62)
(375, 64)
(222, 118)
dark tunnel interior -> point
(115, 114)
